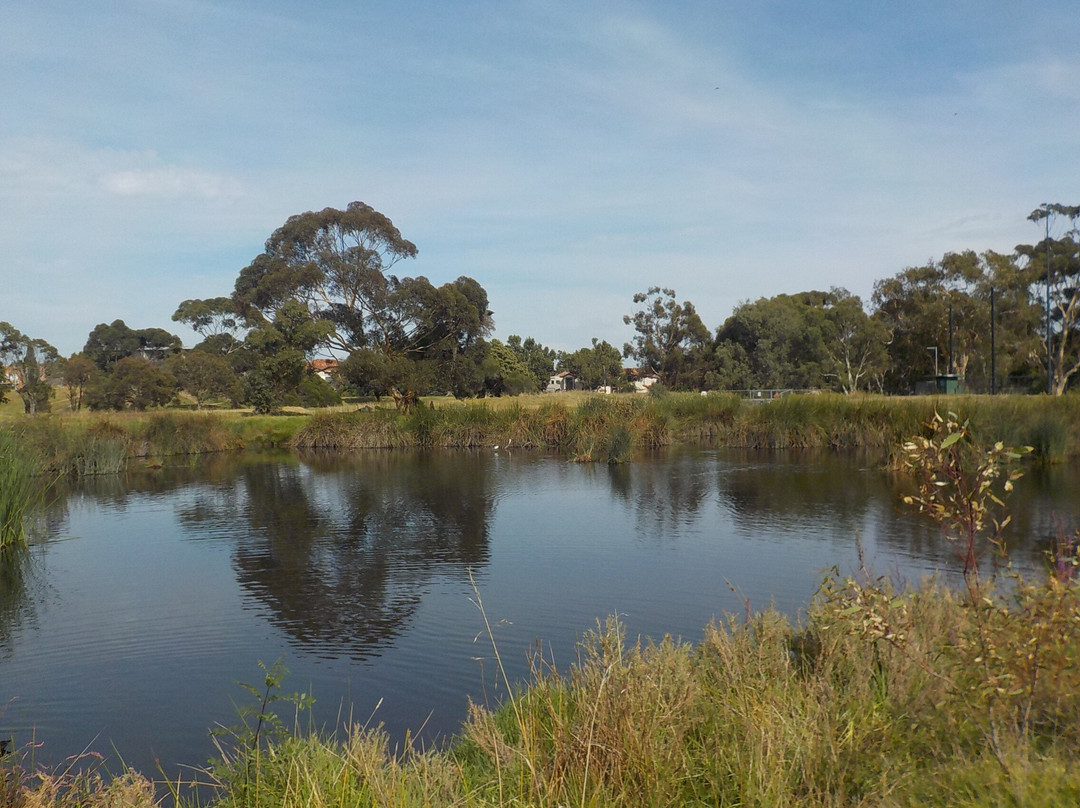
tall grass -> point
(879, 698)
(19, 490)
(609, 428)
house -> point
(561, 382)
(641, 379)
(323, 368)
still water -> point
(146, 597)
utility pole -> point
(952, 365)
(1049, 355)
(993, 345)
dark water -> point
(147, 597)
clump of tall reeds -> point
(167, 434)
(378, 429)
(19, 490)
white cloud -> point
(169, 181)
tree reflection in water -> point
(18, 580)
(339, 548)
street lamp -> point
(934, 349)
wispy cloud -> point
(169, 181)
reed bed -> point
(19, 491)
(610, 428)
(585, 427)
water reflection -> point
(339, 549)
(664, 496)
(18, 607)
(842, 498)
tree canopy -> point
(405, 333)
(671, 338)
(30, 361)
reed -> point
(378, 429)
(19, 491)
(170, 433)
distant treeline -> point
(323, 287)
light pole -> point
(1049, 356)
(934, 349)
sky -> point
(566, 155)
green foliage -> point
(505, 371)
(135, 383)
(1054, 264)
(914, 306)
(79, 374)
(259, 728)
(32, 362)
(809, 340)
(335, 265)
(597, 366)
(18, 491)
(204, 376)
(962, 487)
(671, 339)
(108, 344)
(317, 392)
(538, 359)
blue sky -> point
(564, 154)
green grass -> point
(19, 491)
(878, 698)
(584, 426)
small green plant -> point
(259, 727)
(961, 487)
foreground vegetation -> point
(878, 697)
(881, 698)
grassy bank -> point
(107, 444)
(761, 712)
(584, 427)
(607, 428)
(879, 698)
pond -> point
(147, 597)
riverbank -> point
(879, 698)
(585, 427)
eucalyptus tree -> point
(336, 263)
(107, 344)
(1053, 271)
(671, 339)
(596, 366)
(216, 320)
(943, 307)
(79, 374)
(855, 344)
(30, 361)
(772, 342)
(539, 359)
(204, 375)
(505, 372)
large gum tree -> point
(404, 334)
(1057, 288)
